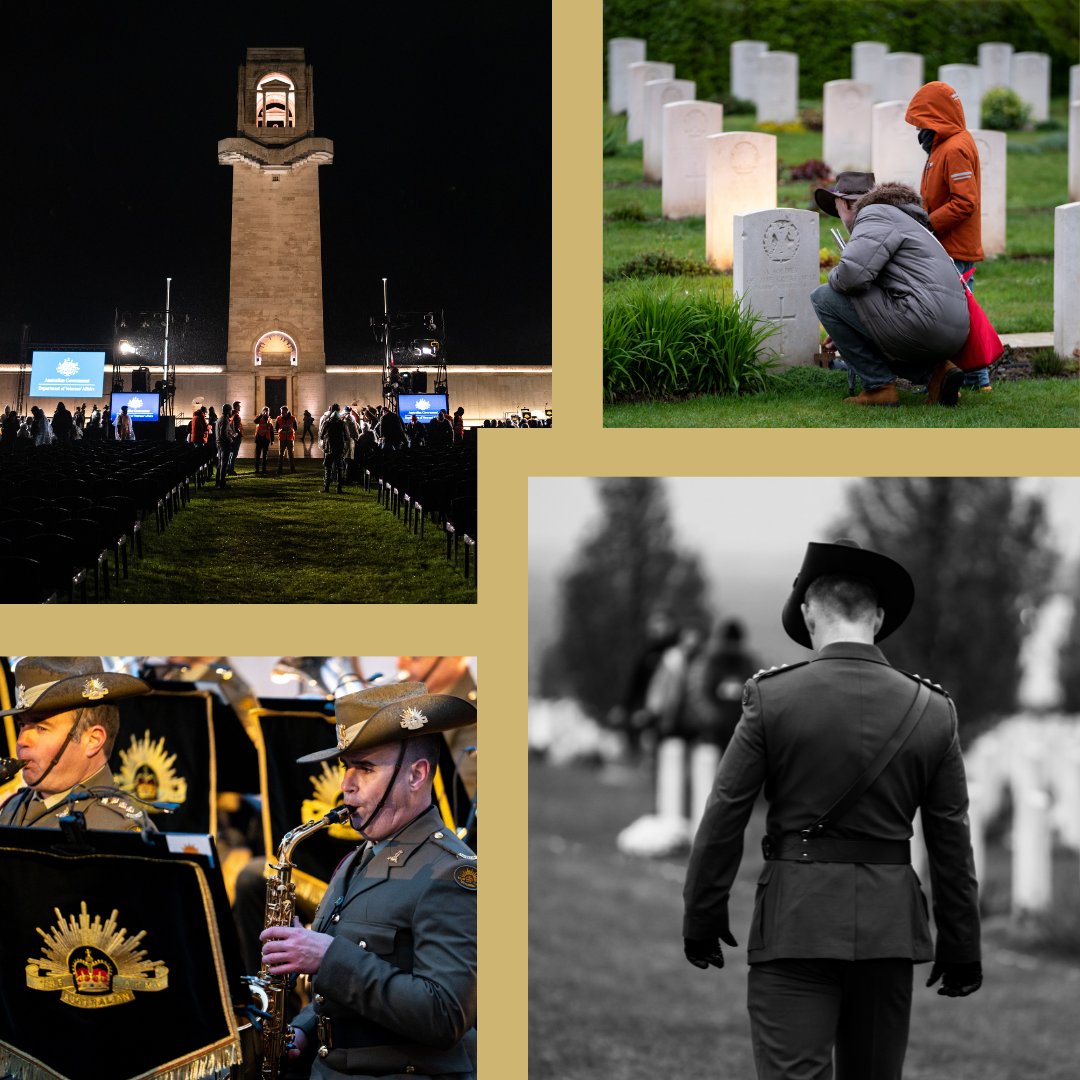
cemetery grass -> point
(807, 397)
(1015, 289)
(271, 539)
(611, 994)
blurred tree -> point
(628, 575)
(1069, 670)
(976, 548)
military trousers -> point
(807, 1014)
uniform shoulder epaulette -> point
(447, 839)
(777, 669)
(925, 681)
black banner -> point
(165, 753)
(111, 965)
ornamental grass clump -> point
(676, 338)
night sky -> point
(441, 121)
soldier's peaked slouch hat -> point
(893, 584)
(384, 714)
(46, 685)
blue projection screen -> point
(425, 406)
(67, 374)
(140, 406)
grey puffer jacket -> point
(902, 282)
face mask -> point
(926, 138)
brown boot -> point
(944, 385)
(880, 395)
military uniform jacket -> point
(106, 811)
(806, 733)
(399, 980)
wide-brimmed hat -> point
(846, 185)
(892, 583)
(45, 685)
(386, 714)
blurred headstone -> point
(846, 114)
(903, 75)
(744, 56)
(1067, 279)
(686, 127)
(868, 66)
(895, 154)
(658, 93)
(1031, 81)
(992, 147)
(622, 52)
(777, 87)
(995, 63)
(966, 80)
(638, 74)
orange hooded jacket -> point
(951, 190)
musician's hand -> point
(292, 950)
(298, 1044)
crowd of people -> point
(37, 428)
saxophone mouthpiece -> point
(339, 815)
(10, 767)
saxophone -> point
(271, 990)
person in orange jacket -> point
(951, 188)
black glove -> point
(957, 980)
(701, 952)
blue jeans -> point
(836, 312)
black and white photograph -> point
(804, 776)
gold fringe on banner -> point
(215, 1065)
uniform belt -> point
(794, 847)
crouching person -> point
(893, 305)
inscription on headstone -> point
(776, 269)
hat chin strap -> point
(59, 755)
(362, 829)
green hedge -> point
(696, 35)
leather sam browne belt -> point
(795, 847)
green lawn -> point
(270, 539)
(812, 397)
(610, 993)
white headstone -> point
(1032, 835)
(777, 253)
(622, 52)
(1067, 279)
(895, 153)
(966, 80)
(687, 125)
(671, 779)
(740, 176)
(868, 65)
(1031, 81)
(995, 63)
(846, 112)
(638, 74)
(1074, 150)
(744, 56)
(992, 173)
(1074, 83)
(704, 762)
(777, 87)
(658, 93)
(903, 75)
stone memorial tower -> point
(276, 354)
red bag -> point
(983, 345)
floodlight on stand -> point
(126, 348)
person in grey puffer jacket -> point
(894, 304)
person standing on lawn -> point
(951, 187)
(893, 304)
(848, 749)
